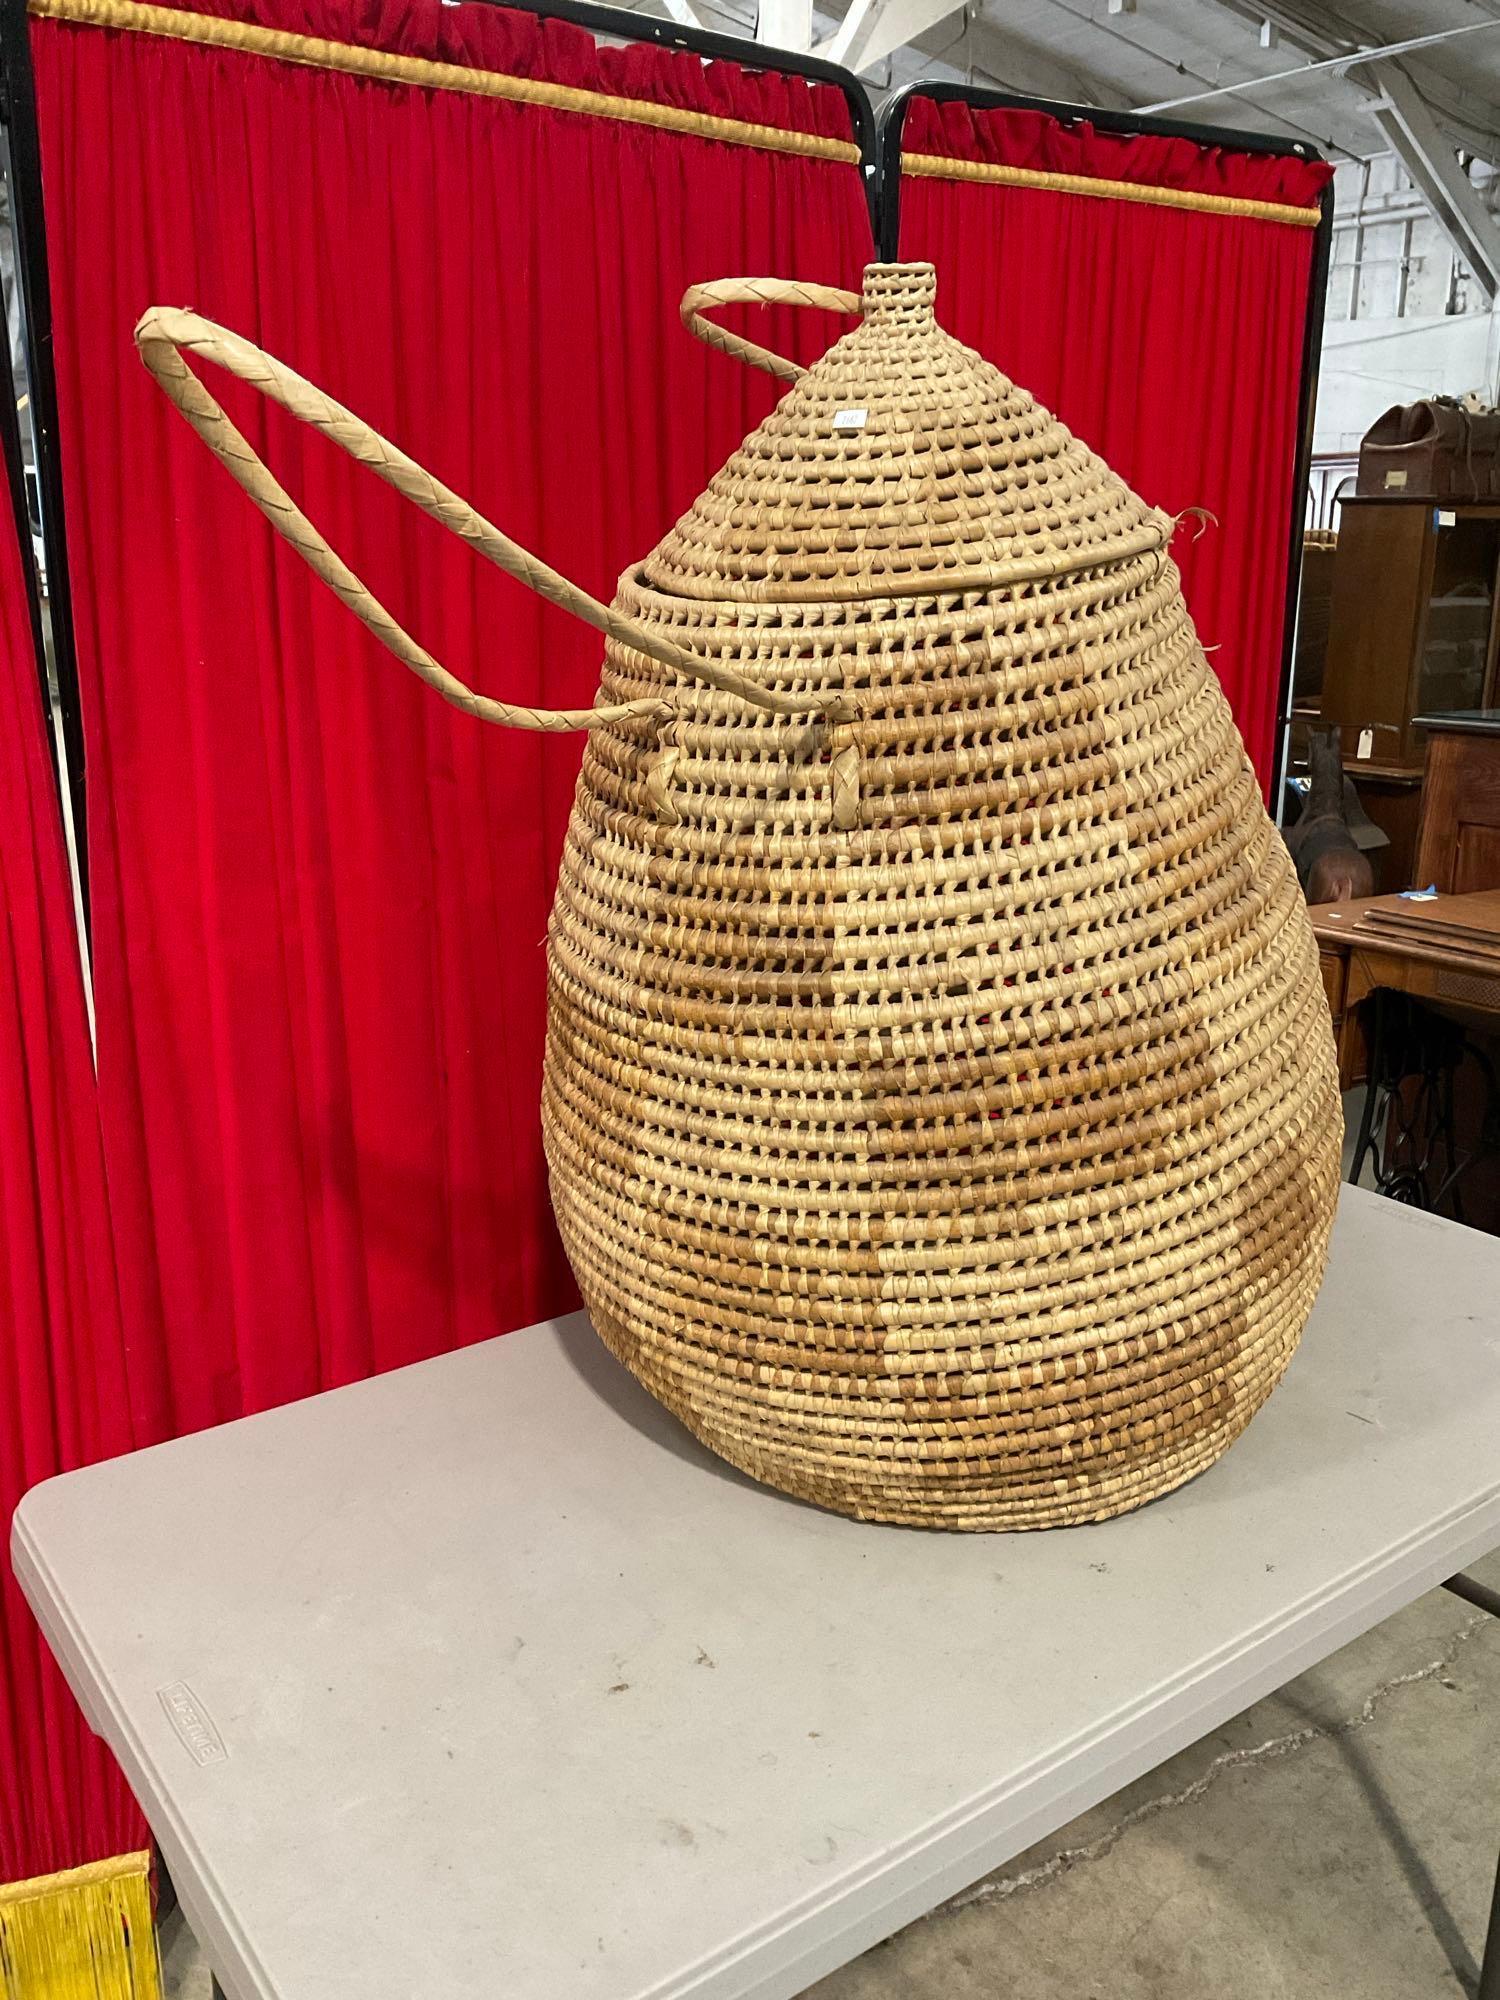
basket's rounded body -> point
(971, 1165)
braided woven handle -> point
(162, 335)
(758, 292)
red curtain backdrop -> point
(63, 1354)
(320, 895)
(1170, 340)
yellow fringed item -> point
(85, 1934)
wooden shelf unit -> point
(1413, 626)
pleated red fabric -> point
(64, 1357)
(319, 895)
(1171, 340)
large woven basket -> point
(940, 1097)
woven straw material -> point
(940, 1095)
(971, 1163)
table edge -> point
(776, 1960)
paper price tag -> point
(850, 420)
(1366, 743)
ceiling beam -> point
(838, 45)
(1321, 30)
(1142, 40)
(1430, 157)
(875, 29)
(1339, 28)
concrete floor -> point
(1336, 1842)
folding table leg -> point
(1489, 1971)
(1480, 1594)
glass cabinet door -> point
(1460, 610)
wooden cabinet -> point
(1413, 627)
(1458, 845)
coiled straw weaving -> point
(940, 1098)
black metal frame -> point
(888, 230)
(15, 475)
(1312, 356)
(984, 97)
(18, 110)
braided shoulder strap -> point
(166, 334)
(758, 292)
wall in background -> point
(1404, 316)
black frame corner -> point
(627, 26)
(986, 97)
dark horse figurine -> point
(1329, 866)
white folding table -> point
(483, 1679)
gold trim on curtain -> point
(176, 24)
(937, 166)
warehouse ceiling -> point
(1219, 62)
(1167, 51)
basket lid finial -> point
(900, 294)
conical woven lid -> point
(901, 463)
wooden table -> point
(1358, 956)
(483, 1678)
